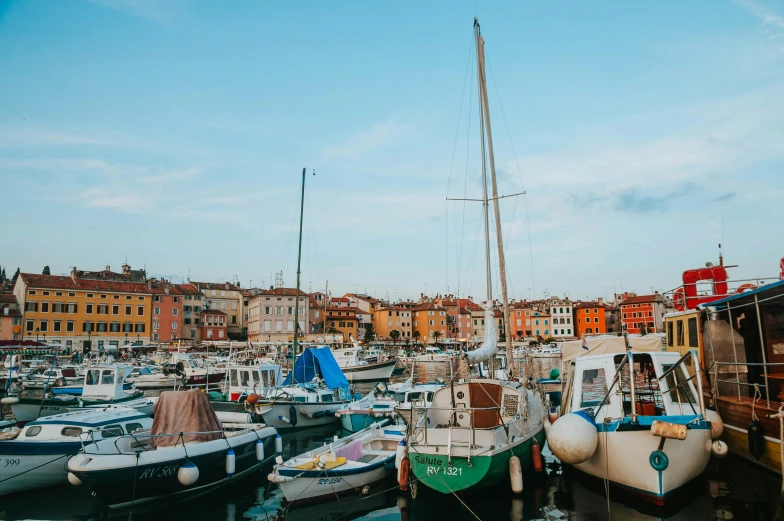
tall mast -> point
(299, 265)
(496, 210)
(485, 203)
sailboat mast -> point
(299, 265)
(485, 201)
(480, 53)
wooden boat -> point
(340, 468)
(606, 424)
(168, 465)
(34, 457)
(739, 335)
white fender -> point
(278, 444)
(231, 463)
(516, 474)
(188, 473)
(573, 438)
(717, 424)
(259, 450)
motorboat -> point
(636, 419)
(374, 407)
(34, 457)
(340, 468)
(144, 377)
(186, 452)
(52, 377)
(243, 381)
(193, 371)
(102, 385)
(408, 394)
(359, 370)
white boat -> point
(340, 468)
(53, 377)
(648, 434)
(358, 370)
(243, 381)
(374, 407)
(193, 371)
(35, 457)
(165, 464)
(102, 386)
(144, 377)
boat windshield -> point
(684, 393)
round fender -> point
(659, 460)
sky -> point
(173, 134)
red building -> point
(213, 325)
(642, 311)
(167, 302)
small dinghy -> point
(373, 408)
(186, 452)
(340, 468)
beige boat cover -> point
(184, 411)
(605, 344)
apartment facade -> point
(193, 303)
(561, 315)
(520, 315)
(642, 311)
(167, 311)
(225, 297)
(590, 319)
(213, 325)
(10, 318)
(430, 322)
(388, 318)
(271, 314)
(82, 313)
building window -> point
(156, 311)
(128, 297)
(31, 305)
(128, 310)
(43, 326)
(30, 326)
(71, 307)
(220, 333)
(69, 326)
(140, 311)
(44, 307)
(128, 327)
(139, 327)
(57, 326)
(115, 327)
(102, 327)
(174, 325)
(103, 309)
(88, 308)
(115, 309)
(175, 312)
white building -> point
(561, 317)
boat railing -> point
(419, 430)
(765, 365)
(142, 438)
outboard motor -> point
(381, 389)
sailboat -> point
(483, 431)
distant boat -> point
(358, 370)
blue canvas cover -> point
(318, 361)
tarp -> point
(489, 347)
(599, 345)
(184, 411)
(317, 361)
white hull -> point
(142, 405)
(156, 383)
(272, 414)
(326, 486)
(27, 412)
(22, 474)
(362, 373)
(623, 458)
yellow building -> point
(389, 318)
(342, 320)
(86, 310)
(430, 321)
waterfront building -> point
(10, 318)
(640, 312)
(226, 297)
(167, 311)
(612, 319)
(540, 324)
(343, 320)
(213, 325)
(520, 314)
(561, 317)
(477, 320)
(86, 310)
(271, 315)
(430, 322)
(193, 303)
(590, 318)
(388, 318)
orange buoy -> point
(552, 416)
(402, 475)
(252, 398)
(536, 456)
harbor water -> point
(729, 489)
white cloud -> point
(771, 19)
(156, 10)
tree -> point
(394, 335)
(332, 331)
(16, 275)
(2, 275)
(416, 336)
(46, 271)
(549, 340)
(370, 333)
(436, 334)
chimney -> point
(167, 290)
(600, 300)
(108, 268)
(228, 286)
(74, 275)
(149, 284)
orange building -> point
(389, 318)
(589, 319)
(10, 318)
(642, 311)
(343, 320)
(429, 318)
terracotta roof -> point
(212, 312)
(368, 298)
(642, 299)
(284, 292)
(159, 288)
(7, 298)
(353, 310)
(13, 310)
(427, 306)
(584, 305)
(66, 282)
(216, 285)
(341, 299)
(188, 289)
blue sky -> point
(174, 132)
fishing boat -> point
(101, 386)
(34, 457)
(258, 380)
(310, 396)
(53, 377)
(358, 370)
(736, 327)
(186, 452)
(340, 468)
(193, 371)
(374, 407)
(636, 419)
(144, 377)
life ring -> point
(679, 299)
(659, 460)
(746, 287)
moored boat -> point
(358, 370)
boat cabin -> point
(84, 426)
(475, 404)
(106, 382)
(245, 380)
(347, 357)
(663, 385)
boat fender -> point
(274, 477)
(717, 424)
(659, 460)
(231, 463)
(400, 452)
(73, 480)
(756, 440)
(252, 398)
(536, 456)
(402, 474)
(719, 448)
(293, 416)
(516, 474)
(312, 415)
(259, 450)
(552, 415)
(330, 413)
(188, 473)
(365, 490)
(9, 400)
(573, 438)
(283, 418)
(671, 431)
(337, 414)
(278, 445)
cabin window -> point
(679, 329)
(327, 398)
(130, 428)
(71, 431)
(669, 334)
(300, 399)
(245, 378)
(256, 377)
(594, 387)
(233, 378)
(693, 340)
(429, 397)
(108, 377)
(93, 376)
(112, 431)
(683, 394)
(33, 431)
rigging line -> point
(313, 239)
(465, 176)
(472, 264)
(520, 174)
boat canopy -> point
(317, 361)
(772, 290)
(605, 344)
(199, 424)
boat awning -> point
(766, 291)
(317, 361)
